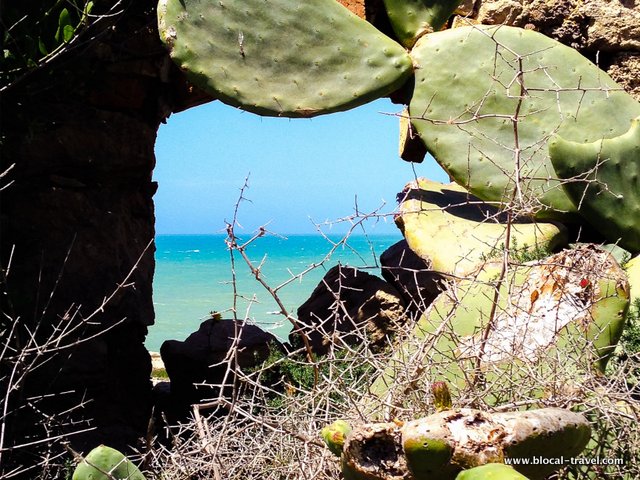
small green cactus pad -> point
(603, 181)
(334, 435)
(491, 471)
(474, 85)
(282, 58)
(633, 273)
(573, 301)
(410, 19)
(455, 231)
(106, 463)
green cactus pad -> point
(575, 300)
(410, 19)
(633, 273)
(603, 181)
(491, 471)
(441, 445)
(106, 463)
(455, 231)
(334, 436)
(467, 93)
(528, 440)
(282, 58)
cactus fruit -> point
(575, 300)
(441, 396)
(334, 435)
(476, 86)
(454, 231)
(603, 180)
(282, 58)
(491, 471)
(439, 446)
(410, 19)
(106, 463)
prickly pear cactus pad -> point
(410, 19)
(374, 452)
(487, 99)
(282, 58)
(106, 463)
(454, 230)
(491, 471)
(633, 272)
(603, 180)
(443, 444)
(569, 306)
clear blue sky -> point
(298, 169)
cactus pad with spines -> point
(491, 471)
(106, 463)
(282, 58)
(439, 446)
(603, 180)
(455, 231)
(410, 19)
(474, 84)
(575, 300)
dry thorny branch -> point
(269, 430)
(268, 427)
(27, 348)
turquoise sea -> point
(194, 277)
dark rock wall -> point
(77, 229)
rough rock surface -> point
(77, 227)
(411, 276)
(607, 31)
(349, 305)
(607, 25)
(205, 357)
(625, 69)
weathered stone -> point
(411, 276)
(356, 6)
(625, 69)
(205, 357)
(589, 25)
(77, 228)
(348, 306)
(465, 8)
(497, 12)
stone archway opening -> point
(301, 173)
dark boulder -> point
(204, 364)
(411, 276)
(349, 305)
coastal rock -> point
(348, 306)
(205, 357)
(412, 276)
